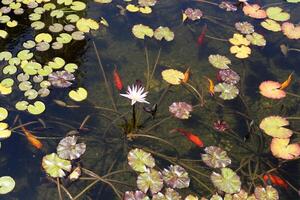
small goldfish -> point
(202, 36)
(186, 76)
(287, 82)
(190, 136)
(117, 80)
(211, 86)
(275, 180)
(32, 139)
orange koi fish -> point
(287, 82)
(186, 76)
(117, 80)
(211, 86)
(32, 139)
(190, 136)
(275, 180)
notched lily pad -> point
(139, 160)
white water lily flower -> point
(136, 94)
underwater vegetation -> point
(165, 129)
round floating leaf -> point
(163, 32)
(57, 14)
(78, 6)
(45, 84)
(268, 193)
(5, 90)
(85, 25)
(3, 34)
(215, 157)
(103, 1)
(21, 105)
(45, 71)
(66, 2)
(69, 27)
(271, 25)
(35, 17)
(39, 10)
(78, 35)
(140, 31)
(43, 92)
(239, 39)
(71, 67)
(4, 19)
(25, 85)
(145, 10)
(4, 131)
(228, 91)
(170, 194)
(290, 30)
(176, 177)
(56, 28)
(9, 69)
(29, 44)
(240, 52)
(7, 184)
(7, 82)
(132, 8)
(43, 37)
(3, 113)
(57, 63)
(270, 89)
(64, 38)
(69, 149)
(23, 77)
(257, 39)
(49, 6)
(277, 14)
(14, 61)
(227, 181)
(172, 76)
(72, 18)
(219, 61)
(5, 55)
(25, 55)
(275, 127)
(281, 148)
(151, 179)
(139, 160)
(78, 95)
(55, 166)
(254, 11)
(42, 46)
(37, 78)
(31, 94)
(32, 68)
(12, 23)
(37, 108)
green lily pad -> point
(71, 67)
(257, 39)
(45, 71)
(23, 77)
(55, 166)
(42, 46)
(275, 127)
(32, 68)
(78, 6)
(85, 25)
(215, 157)
(57, 63)
(72, 18)
(7, 184)
(56, 28)
(14, 61)
(37, 108)
(277, 14)
(139, 160)
(29, 44)
(150, 180)
(43, 37)
(228, 91)
(140, 31)
(64, 38)
(3, 34)
(3, 113)
(219, 61)
(57, 14)
(31, 94)
(227, 181)
(163, 32)
(268, 193)
(66, 2)
(22, 105)
(9, 69)
(7, 82)
(37, 25)
(25, 85)
(35, 17)
(78, 95)
(45, 84)
(25, 54)
(4, 131)
(5, 55)
(49, 6)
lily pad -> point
(163, 32)
(4, 131)
(22, 105)
(215, 157)
(37, 108)
(275, 127)
(78, 95)
(257, 39)
(139, 160)
(241, 52)
(170, 194)
(227, 181)
(227, 91)
(7, 184)
(172, 76)
(176, 177)
(85, 25)
(150, 180)
(55, 166)
(267, 193)
(270, 89)
(3, 113)
(140, 31)
(281, 148)
(219, 61)
(254, 11)
(290, 30)
(68, 148)
(271, 25)
(277, 14)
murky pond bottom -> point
(149, 99)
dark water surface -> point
(106, 147)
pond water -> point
(104, 122)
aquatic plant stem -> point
(62, 187)
(200, 97)
(292, 94)
(148, 68)
(58, 189)
(208, 2)
(155, 65)
(293, 49)
(104, 77)
(163, 94)
(133, 117)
